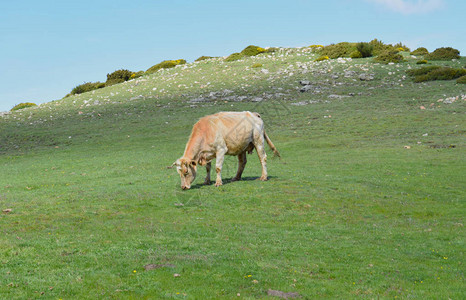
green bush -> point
(137, 74)
(23, 105)
(390, 56)
(421, 62)
(444, 53)
(461, 80)
(379, 47)
(356, 54)
(249, 51)
(343, 49)
(401, 47)
(118, 76)
(87, 87)
(365, 49)
(432, 73)
(257, 65)
(252, 50)
(166, 64)
(234, 56)
(422, 71)
(420, 51)
(204, 58)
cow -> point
(220, 134)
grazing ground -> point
(368, 200)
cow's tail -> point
(271, 145)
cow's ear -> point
(193, 163)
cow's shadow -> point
(228, 181)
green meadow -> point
(367, 201)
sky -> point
(49, 47)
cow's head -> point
(187, 170)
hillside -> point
(367, 201)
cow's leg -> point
(259, 144)
(208, 166)
(242, 160)
(218, 165)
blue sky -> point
(48, 47)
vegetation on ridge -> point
(23, 105)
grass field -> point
(368, 200)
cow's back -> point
(238, 129)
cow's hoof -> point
(235, 179)
(207, 182)
(263, 178)
(217, 184)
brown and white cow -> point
(213, 136)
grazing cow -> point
(213, 136)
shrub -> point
(422, 71)
(356, 54)
(249, 51)
(432, 73)
(257, 65)
(365, 49)
(401, 47)
(234, 56)
(87, 87)
(420, 51)
(461, 80)
(252, 50)
(137, 74)
(445, 53)
(323, 57)
(388, 57)
(118, 76)
(166, 64)
(23, 105)
(421, 62)
(204, 58)
(379, 47)
(339, 50)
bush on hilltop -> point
(343, 49)
(234, 56)
(400, 47)
(86, 87)
(365, 49)
(420, 51)
(118, 76)
(250, 50)
(390, 56)
(204, 58)
(23, 105)
(166, 64)
(444, 53)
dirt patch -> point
(283, 294)
(153, 266)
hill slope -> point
(368, 199)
